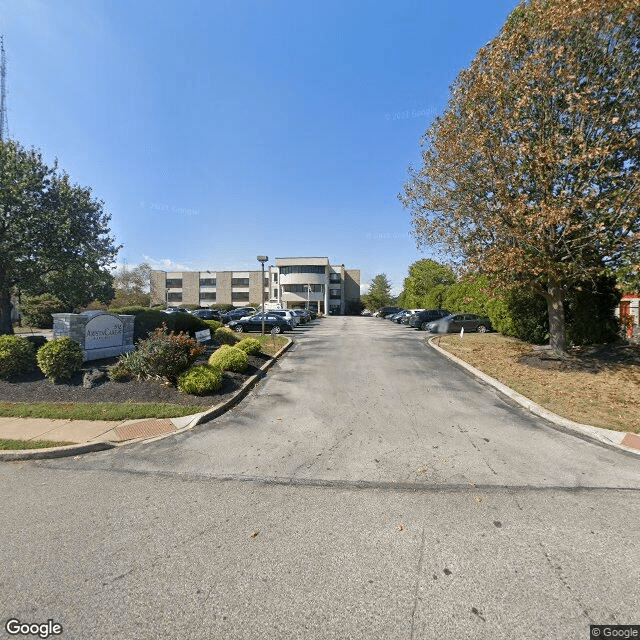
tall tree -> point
(132, 285)
(379, 294)
(532, 174)
(424, 276)
(54, 236)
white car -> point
(292, 319)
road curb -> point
(13, 455)
(184, 423)
(618, 440)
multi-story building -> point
(290, 283)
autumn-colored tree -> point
(532, 174)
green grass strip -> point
(8, 445)
(96, 410)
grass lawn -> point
(95, 410)
(596, 386)
(8, 445)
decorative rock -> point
(94, 377)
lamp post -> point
(262, 260)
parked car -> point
(293, 320)
(399, 317)
(175, 310)
(385, 311)
(421, 319)
(302, 314)
(206, 314)
(411, 313)
(254, 323)
(236, 314)
(456, 321)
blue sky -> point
(218, 130)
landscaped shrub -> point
(213, 325)
(201, 380)
(129, 365)
(17, 356)
(168, 355)
(36, 310)
(60, 359)
(250, 346)
(37, 342)
(184, 322)
(225, 336)
(229, 358)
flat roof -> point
(282, 262)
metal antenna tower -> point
(3, 90)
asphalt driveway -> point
(367, 488)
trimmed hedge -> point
(213, 325)
(60, 359)
(17, 355)
(224, 335)
(201, 380)
(250, 346)
(229, 358)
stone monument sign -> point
(100, 334)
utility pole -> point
(3, 90)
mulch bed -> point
(34, 387)
(589, 358)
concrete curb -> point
(605, 437)
(183, 423)
(54, 452)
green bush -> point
(250, 346)
(37, 342)
(168, 355)
(223, 335)
(129, 365)
(213, 325)
(36, 310)
(202, 380)
(17, 355)
(59, 359)
(229, 358)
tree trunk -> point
(5, 313)
(553, 296)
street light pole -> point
(262, 260)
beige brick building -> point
(291, 282)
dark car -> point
(302, 314)
(386, 311)
(236, 314)
(272, 322)
(456, 321)
(175, 310)
(206, 314)
(421, 319)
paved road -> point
(367, 488)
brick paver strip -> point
(631, 440)
(145, 429)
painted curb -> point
(190, 422)
(598, 435)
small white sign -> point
(204, 335)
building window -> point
(173, 296)
(334, 278)
(302, 288)
(266, 283)
(275, 293)
(207, 282)
(302, 269)
(207, 295)
(174, 283)
(239, 282)
(240, 296)
(275, 277)
(334, 294)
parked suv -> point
(421, 319)
(286, 314)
